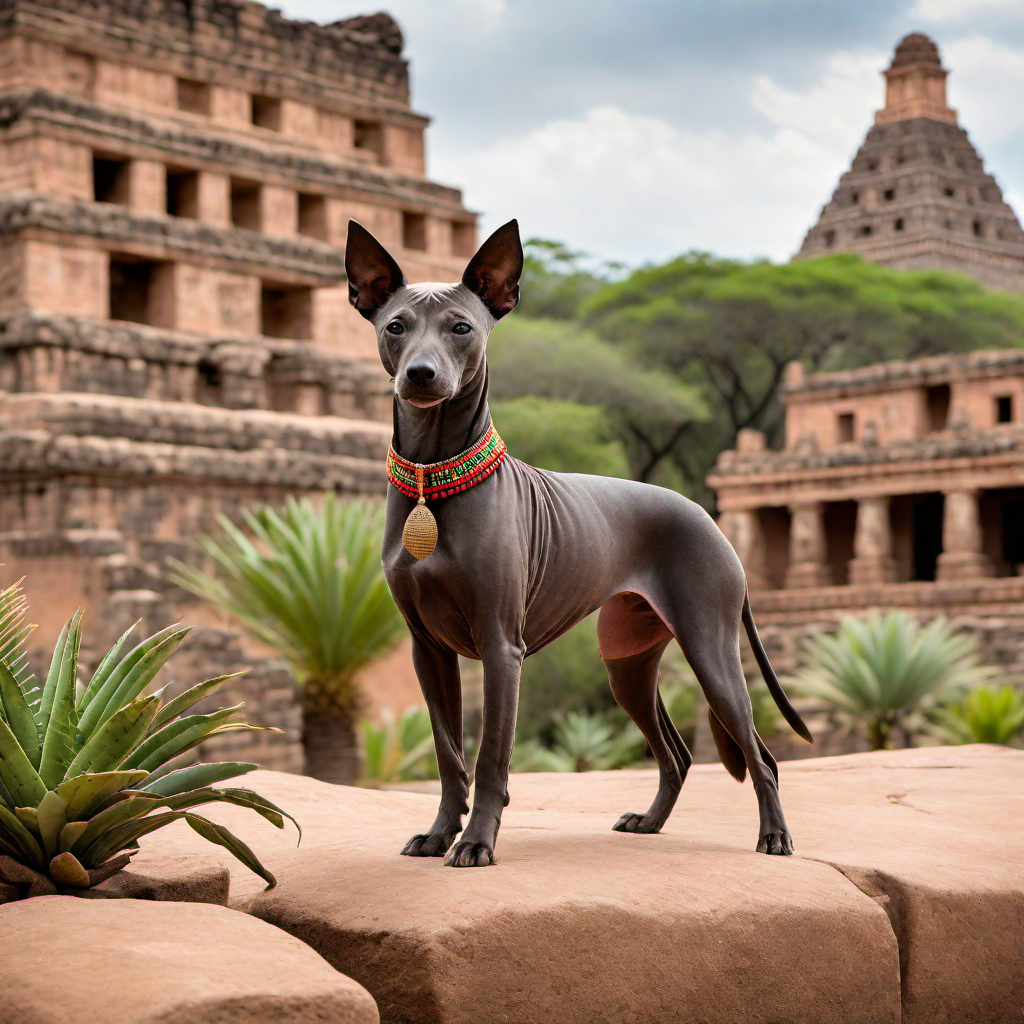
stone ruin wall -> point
(176, 341)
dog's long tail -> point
(774, 686)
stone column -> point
(872, 560)
(807, 557)
(962, 557)
(743, 529)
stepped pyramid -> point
(917, 195)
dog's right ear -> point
(373, 274)
(494, 272)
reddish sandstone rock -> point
(130, 961)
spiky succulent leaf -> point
(51, 816)
(136, 805)
(120, 837)
(50, 686)
(60, 718)
(107, 665)
(71, 833)
(28, 845)
(223, 837)
(19, 775)
(106, 748)
(189, 698)
(14, 631)
(196, 776)
(84, 793)
(97, 711)
(19, 715)
(176, 737)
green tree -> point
(731, 328)
(647, 413)
(887, 674)
(308, 582)
(556, 279)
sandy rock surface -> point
(906, 895)
(87, 961)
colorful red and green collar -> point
(443, 479)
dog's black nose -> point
(420, 374)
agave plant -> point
(308, 582)
(583, 743)
(85, 774)
(398, 750)
(986, 714)
(887, 673)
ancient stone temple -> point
(917, 195)
(176, 178)
(901, 486)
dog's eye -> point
(461, 328)
(395, 327)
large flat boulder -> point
(96, 961)
(907, 882)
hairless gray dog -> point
(524, 554)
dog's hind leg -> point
(438, 672)
(628, 622)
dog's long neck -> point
(447, 429)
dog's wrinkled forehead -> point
(431, 302)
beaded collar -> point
(435, 480)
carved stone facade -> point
(917, 195)
(176, 178)
(901, 486)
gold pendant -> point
(420, 533)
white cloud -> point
(636, 187)
(939, 11)
(986, 84)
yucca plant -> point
(85, 774)
(582, 743)
(398, 750)
(887, 673)
(986, 714)
(308, 582)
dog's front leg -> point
(438, 672)
(502, 661)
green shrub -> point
(583, 743)
(986, 714)
(398, 750)
(85, 775)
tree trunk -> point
(329, 733)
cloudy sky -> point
(639, 129)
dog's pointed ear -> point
(373, 274)
(494, 272)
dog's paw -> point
(634, 822)
(778, 843)
(428, 844)
(467, 854)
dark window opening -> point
(938, 407)
(775, 526)
(1013, 536)
(890, 194)
(183, 193)
(110, 180)
(266, 112)
(1004, 409)
(897, 224)
(193, 96)
(872, 165)
(865, 230)
(208, 383)
(141, 291)
(854, 197)
(900, 158)
(927, 535)
(369, 136)
(313, 216)
(844, 427)
(830, 239)
(463, 238)
(245, 205)
(949, 192)
(840, 524)
(948, 224)
(977, 229)
(286, 311)
(414, 231)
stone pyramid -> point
(917, 195)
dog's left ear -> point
(373, 274)
(494, 272)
